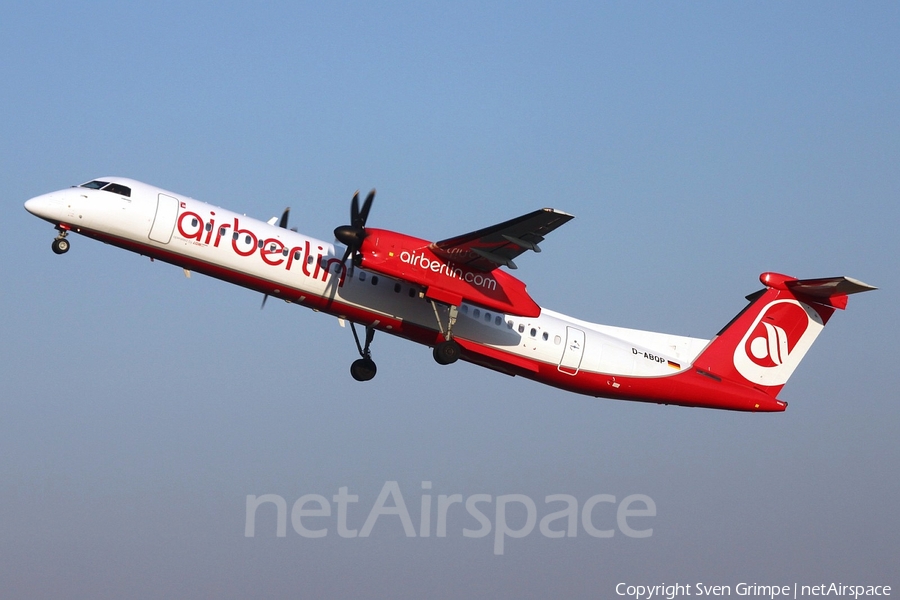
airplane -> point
(458, 297)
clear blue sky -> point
(697, 145)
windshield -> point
(115, 188)
(94, 185)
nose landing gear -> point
(60, 245)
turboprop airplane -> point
(455, 296)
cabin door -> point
(573, 351)
(164, 221)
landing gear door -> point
(573, 351)
(164, 222)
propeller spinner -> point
(353, 235)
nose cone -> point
(34, 206)
(42, 206)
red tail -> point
(763, 344)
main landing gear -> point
(60, 244)
(448, 351)
(445, 353)
(363, 369)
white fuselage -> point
(304, 270)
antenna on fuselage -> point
(283, 224)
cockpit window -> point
(116, 188)
(106, 186)
(94, 185)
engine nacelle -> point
(409, 258)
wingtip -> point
(863, 287)
(559, 212)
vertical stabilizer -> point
(763, 344)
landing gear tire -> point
(447, 353)
(363, 369)
(60, 246)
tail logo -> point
(769, 345)
(776, 342)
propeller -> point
(283, 224)
(353, 235)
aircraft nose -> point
(34, 205)
(41, 206)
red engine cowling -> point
(409, 258)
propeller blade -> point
(354, 210)
(263, 305)
(353, 235)
(346, 255)
(367, 206)
(284, 218)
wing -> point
(491, 247)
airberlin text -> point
(514, 515)
(430, 264)
(272, 250)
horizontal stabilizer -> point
(832, 291)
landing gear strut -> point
(60, 244)
(363, 369)
(448, 351)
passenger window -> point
(498, 320)
(221, 232)
(309, 259)
(235, 236)
(557, 340)
(465, 309)
(533, 332)
(521, 328)
(247, 239)
(476, 313)
(546, 336)
(397, 288)
(261, 244)
(509, 324)
(374, 279)
(362, 275)
(194, 222)
(487, 317)
(208, 227)
(297, 255)
(285, 252)
(412, 293)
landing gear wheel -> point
(60, 246)
(363, 369)
(447, 353)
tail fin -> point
(766, 341)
